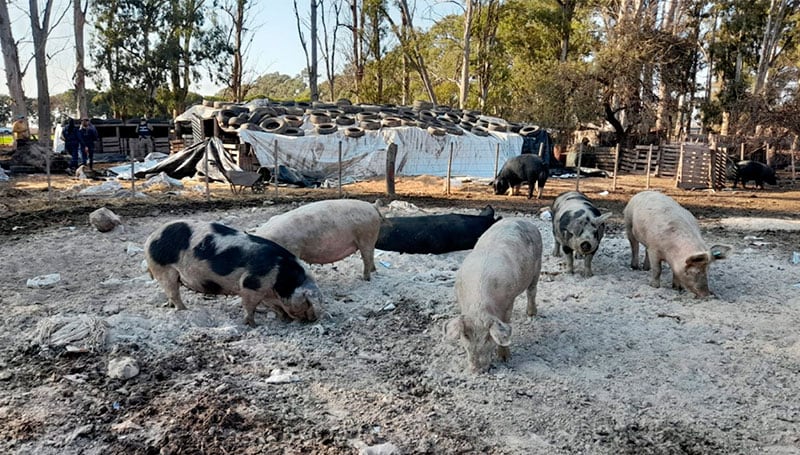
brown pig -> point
(506, 260)
(670, 233)
(327, 231)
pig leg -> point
(556, 245)
(634, 249)
(570, 259)
(646, 265)
(655, 270)
(587, 264)
(368, 257)
(170, 281)
(250, 300)
(530, 293)
(530, 190)
(675, 283)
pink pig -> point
(327, 231)
(670, 233)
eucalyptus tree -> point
(12, 67)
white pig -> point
(506, 260)
(327, 231)
(670, 233)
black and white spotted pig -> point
(215, 259)
(578, 227)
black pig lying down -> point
(215, 259)
(521, 169)
(434, 234)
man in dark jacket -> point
(88, 136)
(145, 139)
(72, 142)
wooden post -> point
(47, 169)
(578, 168)
(340, 169)
(275, 153)
(649, 157)
(741, 153)
(391, 157)
(133, 177)
(496, 159)
(205, 170)
(449, 170)
(679, 171)
(616, 168)
(793, 162)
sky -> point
(275, 46)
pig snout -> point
(586, 247)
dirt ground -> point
(610, 365)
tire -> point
(436, 131)
(370, 125)
(292, 131)
(319, 117)
(426, 115)
(390, 122)
(353, 131)
(361, 116)
(494, 126)
(528, 129)
(479, 131)
(345, 120)
(453, 129)
(274, 125)
(326, 128)
(293, 120)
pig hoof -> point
(655, 284)
(250, 322)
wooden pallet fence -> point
(667, 161)
(695, 166)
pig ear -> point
(720, 251)
(500, 332)
(602, 218)
(697, 259)
(454, 328)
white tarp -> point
(418, 152)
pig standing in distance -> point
(670, 233)
(327, 231)
(577, 228)
(506, 261)
(214, 259)
(753, 170)
(522, 168)
(434, 234)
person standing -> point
(88, 135)
(145, 138)
(21, 131)
(72, 142)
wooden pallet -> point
(694, 167)
(668, 160)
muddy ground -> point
(610, 365)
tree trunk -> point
(415, 55)
(237, 70)
(79, 9)
(358, 64)
(312, 76)
(40, 32)
(770, 43)
(11, 60)
(464, 83)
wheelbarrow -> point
(256, 181)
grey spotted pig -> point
(578, 227)
(215, 259)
